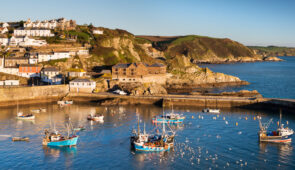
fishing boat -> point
(157, 142)
(281, 135)
(20, 139)
(56, 139)
(21, 116)
(95, 117)
(207, 110)
(81, 128)
(169, 118)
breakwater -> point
(186, 100)
(32, 95)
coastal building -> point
(139, 72)
(82, 85)
(42, 57)
(29, 70)
(60, 23)
(9, 83)
(34, 32)
(83, 52)
(97, 31)
(15, 61)
(51, 75)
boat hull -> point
(26, 118)
(276, 139)
(151, 149)
(69, 142)
(159, 120)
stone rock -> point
(272, 58)
(148, 90)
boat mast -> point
(144, 128)
(138, 129)
(163, 122)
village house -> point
(77, 73)
(9, 83)
(42, 57)
(51, 75)
(139, 72)
(29, 70)
(3, 30)
(82, 85)
(15, 61)
(34, 32)
(4, 24)
(97, 31)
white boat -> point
(207, 110)
(25, 117)
(36, 110)
(43, 109)
(95, 118)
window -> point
(129, 79)
(116, 69)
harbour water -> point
(205, 141)
(271, 79)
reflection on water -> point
(203, 141)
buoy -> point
(199, 116)
(223, 118)
(192, 117)
(246, 118)
(278, 123)
(287, 122)
(254, 118)
(217, 115)
(237, 124)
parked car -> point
(120, 92)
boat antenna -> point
(144, 128)
(68, 127)
(280, 117)
(138, 129)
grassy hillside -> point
(274, 50)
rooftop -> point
(53, 69)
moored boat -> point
(169, 118)
(207, 110)
(25, 117)
(20, 139)
(36, 110)
(65, 102)
(152, 142)
(95, 118)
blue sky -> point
(251, 22)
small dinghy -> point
(25, 117)
(95, 118)
(79, 128)
(14, 139)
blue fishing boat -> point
(56, 139)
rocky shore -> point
(237, 60)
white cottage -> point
(34, 32)
(82, 85)
(51, 75)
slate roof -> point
(53, 69)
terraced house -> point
(139, 72)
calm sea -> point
(203, 141)
(271, 79)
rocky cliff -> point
(273, 51)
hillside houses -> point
(3, 30)
(60, 23)
(34, 32)
(29, 70)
